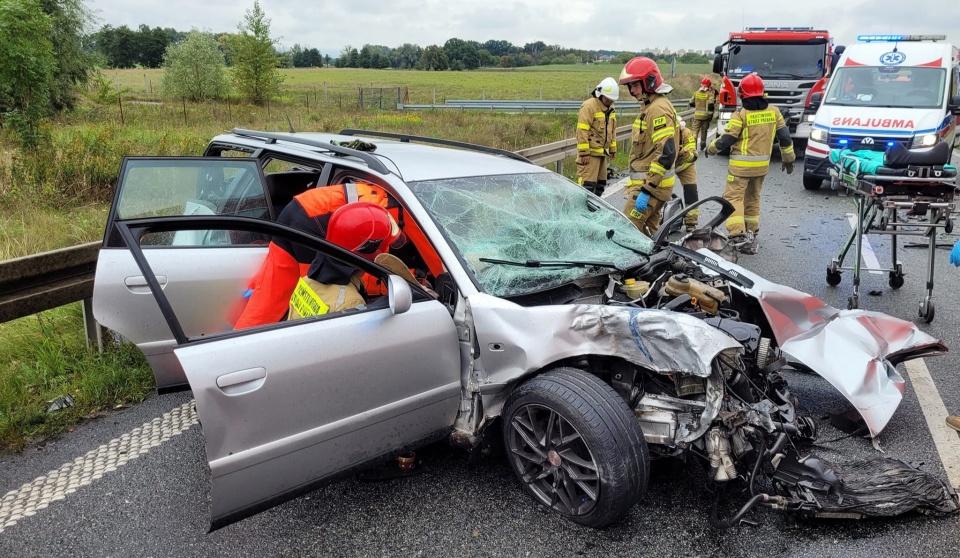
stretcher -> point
(884, 183)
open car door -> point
(287, 406)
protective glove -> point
(710, 150)
(955, 254)
(706, 153)
(642, 200)
(583, 159)
(787, 167)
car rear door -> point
(287, 406)
(203, 273)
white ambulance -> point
(886, 89)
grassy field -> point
(58, 194)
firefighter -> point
(656, 139)
(687, 173)
(268, 295)
(703, 102)
(364, 228)
(597, 135)
(750, 136)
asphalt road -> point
(158, 503)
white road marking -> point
(946, 439)
(56, 485)
(869, 256)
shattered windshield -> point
(529, 219)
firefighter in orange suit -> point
(704, 101)
(687, 173)
(268, 295)
(597, 135)
(364, 228)
(750, 136)
(656, 140)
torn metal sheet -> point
(516, 340)
(857, 351)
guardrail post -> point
(560, 166)
(91, 328)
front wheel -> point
(576, 446)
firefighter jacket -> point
(703, 103)
(656, 137)
(596, 129)
(688, 149)
(313, 298)
(750, 136)
(271, 288)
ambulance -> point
(886, 89)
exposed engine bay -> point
(742, 421)
(733, 410)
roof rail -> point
(272, 137)
(422, 139)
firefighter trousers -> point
(593, 174)
(743, 193)
(699, 128)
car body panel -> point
(855, 350)
(288, 405)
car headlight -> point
(819, 134)
(725, 115)
(810, 117)
(925, 140)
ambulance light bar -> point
(899, 38)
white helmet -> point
(609, 88)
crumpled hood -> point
(855, 350)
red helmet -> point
(751, 86)
(644, 70)
(363, 228)
(705, 82)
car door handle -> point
(243, 381)
(138, 283)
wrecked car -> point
(534, 313)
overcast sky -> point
(588, 24)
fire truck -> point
(794, 63)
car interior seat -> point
(283, 186)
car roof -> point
(411, 160)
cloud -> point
(587, 24)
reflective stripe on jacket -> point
(656, 139)
(752, 133)
(703, 102)
(596, 129)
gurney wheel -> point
(927, 310)
(853, 302)
(833, 277)
(896, 280)
(948, 226)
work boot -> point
(953, 421)
(751, 245)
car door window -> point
(195, 186)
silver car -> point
(537, 313)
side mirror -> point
(815, 100)
(399, 295)
(717, 49)
(954, 106)
(718, 64)
(838, 50)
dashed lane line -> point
(58, 484)
(935, 412)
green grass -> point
(43, 357)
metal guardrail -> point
(33, 284)
(517, 105)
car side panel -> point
(315, 397)
(204, 286)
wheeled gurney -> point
(883, 183)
